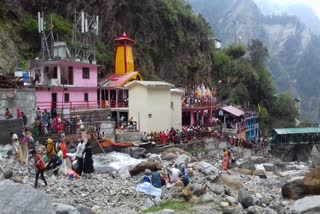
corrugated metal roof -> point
(297, 130)
(233, 110)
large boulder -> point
(245, 198)
(216, 188)
(84, 210)
(154, 157)
(168, 156)
(7, 174)
(23, 199)
(229, 181)
(310, 185)
(137, 152)
(153, 166)
(293, 190)
(182, 159)
(65, 209)
(176, 151)
(245, 163)
(198, 189)
(315, 156)
(206, 168)
(307, 205)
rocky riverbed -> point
(252, 185)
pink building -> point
(65, 84)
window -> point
(55, 73)
(85, 73)
(86, 97)
(66, 97)
(150, 115)
(172, 106)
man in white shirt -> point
(79, 153)
(174, 175)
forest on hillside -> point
(173, 44)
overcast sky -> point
(314, 4)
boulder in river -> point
(153, 166)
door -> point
(70, 75)
(54, 100)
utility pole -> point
(235, 31)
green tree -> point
(258, 53)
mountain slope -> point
(172, 42)
(288, 40)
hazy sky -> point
(315, 4)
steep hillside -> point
(290, 43)
(172, 42)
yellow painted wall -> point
(120, 60)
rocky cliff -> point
(172, 43)
(290, 44)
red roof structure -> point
(115, 80)
(124, 38)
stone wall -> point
(129, 137)
(23, 99)
(7, 126)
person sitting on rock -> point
(146, 177)
(173, 175)
(184, 175)
(155, 179)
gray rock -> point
(245, 198)
(197, 189)
(245, 164)
(315, 156)
(148, 203)
(7, 174)
(84, 210)
(182, 159)
(206, 168)
(168, 156)
(65, 209)
(310, 205)
(254, 210)
(154, 157)
(23, 199)
(233, 209)
(257, 159)
(216, 188)
(124, 173)
(119, 210)
(208, 197)
(157, 200)
(222, 145)
(268, 167)
(137, 152)
(231, 199)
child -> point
(40, 167)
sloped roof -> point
(115, 80)
(233, 110)
(297, 130)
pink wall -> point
(76, 98)
(77, 76)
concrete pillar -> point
(191, 117)
(117, 98)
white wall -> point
(155, 102)
(138, 105)
(159, 108)
(176, 110)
